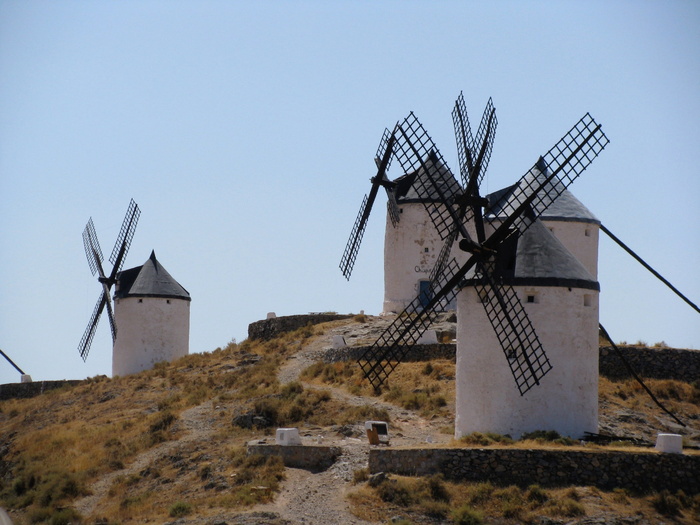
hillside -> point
(168, 445)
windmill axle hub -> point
(467, 245)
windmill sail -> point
(94, 256)
(383, 160)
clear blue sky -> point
(245, 131)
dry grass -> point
(418, 499)
(56, 446)
(427, 388)
(59, 444)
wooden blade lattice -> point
(347, 262)
(521, 346)
(434, 184)
(93, 252)
(551, 175)
(89, 334)
(126, 234)
(383, 161)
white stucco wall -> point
(567, 398)
(149, 330)
(410, 252)
(581, 239)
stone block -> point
(669, 443)
(287, 436)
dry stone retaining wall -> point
(309, 457)
(412, 353)
(654, 363)
(24, 390)
(638, 472)
(269, 328)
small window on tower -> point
(426, 250)
(168, 301)
(531, 298)
(587, 300)
(587, 232)
(140, 300)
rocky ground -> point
(319, 497)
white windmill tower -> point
(151, 311)
(560, 297)
(412, 246)
(530, 288)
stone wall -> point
(309, 457)
(24, 390)
(656, 363)
(413, 353)
(269, 328)
(549, 468)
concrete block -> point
(287, 436)
(669, 443)
(428, 338)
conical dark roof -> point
(541, 258)
(149, 280)
(538, 258)
(566, 207)
(417, 186)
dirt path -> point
(310, 498)
(305, 497)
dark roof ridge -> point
(149, 280)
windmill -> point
(489, 244)
(95, 261)
(412, 248)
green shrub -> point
(162, 421)
(40, 515)
(480, 493)
(360, 476)
(484, 440)
(548, 436)
(435, 509)
(65, 516)
(435, 488)
(466, 515)
(565, 507)
(292, 390)
(536, 495)
(395, 491)
(620, 496)
(268, 409)
(180, 509)
(666, 503)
